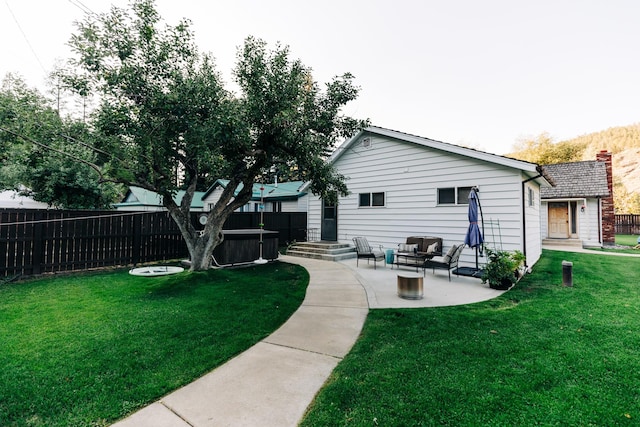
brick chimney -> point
(608, 213)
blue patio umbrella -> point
(474, 238)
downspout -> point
(599, 220)
(524, 219)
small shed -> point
(579, 209)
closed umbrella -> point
(474, 238)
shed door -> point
(558, 220)
(329, 230)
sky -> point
(482, 74)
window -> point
(454, 196)
(530, 198)
(371, 200)
(446, 196)
(463, 195)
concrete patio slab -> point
(382, 292)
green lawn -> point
(542, 354)
(626, 240)
(87, 349)
(622, 240)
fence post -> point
(136, 242)
(37, 247)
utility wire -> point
(82, 7)
(25, 36)
(44, 221)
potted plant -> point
(503, 269)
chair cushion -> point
(432, 248)
(362, 245)
(447, 258)
(404, 247)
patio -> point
(381, 287)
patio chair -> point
(363, 250)
(447, 262)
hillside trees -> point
(544, 151)
(168, 123)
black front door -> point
(329, 230)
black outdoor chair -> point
(363, 250)
(447, 262)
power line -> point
(25, 36)
(82, 7)
(44, 221)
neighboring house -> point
(13, 199)
(139, 199)
(580, 206)
(277, 197)
(403, 185)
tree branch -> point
(55, 150)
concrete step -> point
(328, 251)
(322, 245)
(574, 243)
(321, 255)
(317, 250)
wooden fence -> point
(627, 224)
(45, 241)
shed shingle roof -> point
(576, 179)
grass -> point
(87, 349)
(541, 354)
(622, 240)
(626, 239)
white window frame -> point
(371, 197)
(456, 195)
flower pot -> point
(503, 285)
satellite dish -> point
(203, 219)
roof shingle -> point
(576, 179)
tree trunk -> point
(199, 244)
(201, 255)
(202, 244)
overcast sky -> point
(483, 74)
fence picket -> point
(627, 224)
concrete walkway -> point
(273, 382)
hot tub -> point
(243, 246)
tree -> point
(37, 156)
(168, 123)
(544, 151)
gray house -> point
(404, 185)
(579, 209)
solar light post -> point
(261, 260)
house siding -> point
(410, 175)
(588, 227)
(532, 224)
(593, 224)
(289, 206)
